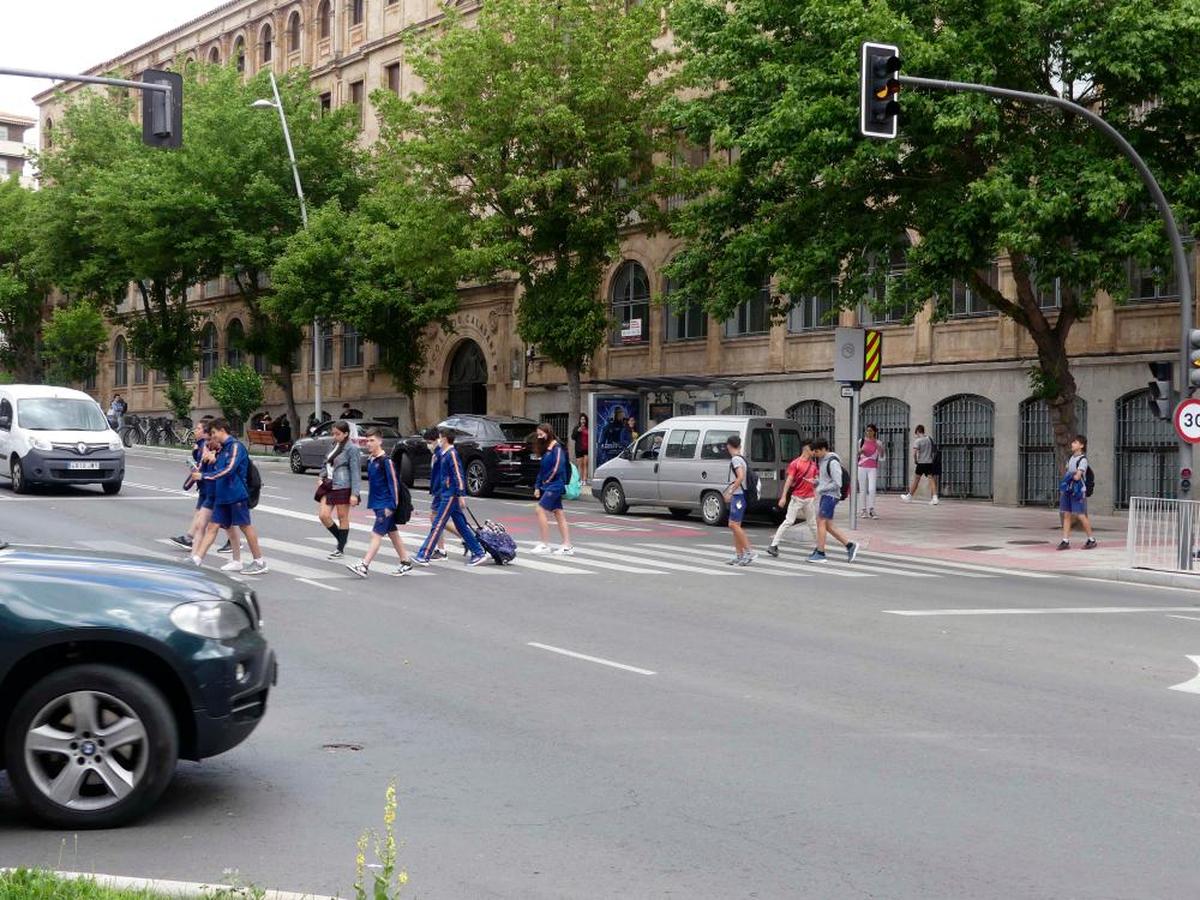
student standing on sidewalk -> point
(231, 506)
(829, 492)
(551, 483)
(801, 484)
(338, 487)
(449, 505)
(735, 496)
(1072, 495)
(870, 455)
(581, 437)
(924, 453)
(384, 499)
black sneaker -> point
(228, 548)
(772, 550)
(183, 541)
(438, 553)
(1064, 545)
(1091, 544)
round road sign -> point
(1187, 420)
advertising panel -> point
(610, 428)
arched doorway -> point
(964, 429)
(1146, 452)
(468, 380)
(890, 416)
(814, 418)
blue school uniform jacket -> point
(383, 483)
(228, 475)
(554, 472)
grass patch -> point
(35, 884)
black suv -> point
(496, 452)
(112, 668)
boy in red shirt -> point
(800, 483)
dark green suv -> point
(112, 668)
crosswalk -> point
(307, 561)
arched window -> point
(293, 33)
(239, 54)
(139, 372)
(816, 420)
(48, 133)
(964, 430)
(744, 408)
(357, 11)
(1038, 469)
(208, 351)
(120, 362)
(630, 297)
(235, 340)
(214, 55)
(324, 19)
(890, 417)
(1145, 457)
(267, 40)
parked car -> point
(310, 452)
(112, 667)
(496, 452)
(683, 465)
(56, 435)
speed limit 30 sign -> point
(1187, 420)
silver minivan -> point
(682, 464)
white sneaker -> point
(232, 566)
(907, 498)
(564, 551)
(934, 501)
(197, 561)
(540, 548)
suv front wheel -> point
(90, 746)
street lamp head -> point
(263, 104)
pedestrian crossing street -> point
(306, 561)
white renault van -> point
(682, 464)
(55, 435)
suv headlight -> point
(217, 619)
(39, 443)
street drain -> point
(339, 747)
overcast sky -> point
(73, 35)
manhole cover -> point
(339, 747)
(977, 547)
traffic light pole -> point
(90, 79)
(1178, 254)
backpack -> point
(750, 487)
(845, 491)
(404, 504)
(937, 454)
(1089, 480)
(574, 486)
(253, 482)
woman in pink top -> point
(870, 454)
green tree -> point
(238, 391)
(23, 288)
(775, 83)
(73, 337)
(537, 120)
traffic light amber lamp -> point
(879, 108)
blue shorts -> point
(828, 505)
(385, 522)
(550, 500)
(1069, 503)
(229, 515)
(206, 500)
(737, 509)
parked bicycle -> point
(158, 431)
(136, 431)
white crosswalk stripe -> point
(722, 551)
(216, 560)
(599, 563)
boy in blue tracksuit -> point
(383, 482)
(548, 490)
(448, 503)
(435, 488)
(231, 498)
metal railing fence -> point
(1163, 533)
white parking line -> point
(595, 659)
(1192, 618)
(1051, 611)
(328, 587)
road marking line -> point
(595, 659)
(286, 568)
(1058, 610)
(1192, 685)
(711, 557)
(1192, 618)
(170, 888)
(840, 570)
(328, 587)
(132, 549)
(598, 563)
(619, 552)
(970, 567)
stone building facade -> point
(965, 379)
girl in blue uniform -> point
(548, 490)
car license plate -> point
(85, 466)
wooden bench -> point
(258, 438)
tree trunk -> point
(574, 399)
(410, 426)
(284, 380)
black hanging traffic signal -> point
(1193, 379)
(162, 113)
(1160, 390)
(879, 109)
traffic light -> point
(1185, 479)
(1193, 379)
(879, 109)
(1160, 390)
(162, 113)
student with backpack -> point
(387, 500)
(799, 494)
(740, 493)
(927, 458)
(448, 504)
(1074, 489)
(833, 486)
(553, 476)
(235, 484)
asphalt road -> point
(766, 732)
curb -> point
(178, 888)
(1182, 580)
(168, 452)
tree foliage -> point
(73, 337)
(775, 82)
(237, 390)
(23, 286)
(537, 121)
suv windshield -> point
(60, 414)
